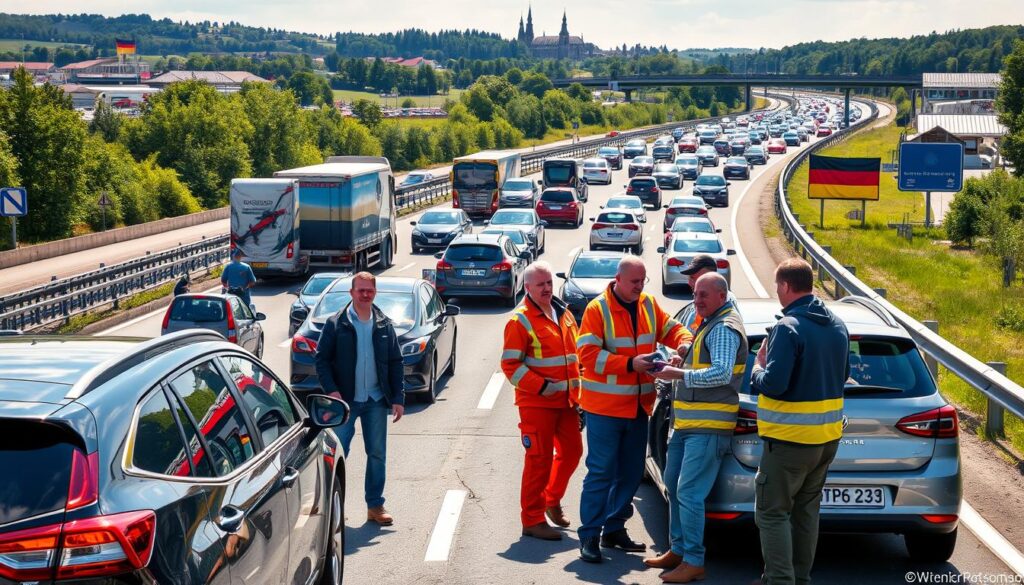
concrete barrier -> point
(28, 254)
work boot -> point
(620, 539)
(684, 574)
(380, 516)
(666, 560)
(590, 550)
(542, 531)
(557, 516)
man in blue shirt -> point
(238, 274)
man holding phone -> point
(705, 404)
(618, 336)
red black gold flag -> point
(125, 47)
(843, 178)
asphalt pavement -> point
(454, 467)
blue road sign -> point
(13, 202)
(931, 166)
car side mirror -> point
(487, 222)
(326, 411)
(452, 310)
(718, 230)
(727, 183)
(664, 206)
(661, 249)
(544, 222)
(261, 317)
(730, 252)
(412, 223)
(295, 292)
(599, 207)
(707, 207)
(526, 255)
(438, 255)
(560, 275)
(591, 219)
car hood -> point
(516, 192)
(709, 187)
(437, 228)
(591, 287)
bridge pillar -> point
(629, 95)
(846, 108)
(750, 98)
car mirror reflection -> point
(326, 411)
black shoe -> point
(620, 539)
(590, 552)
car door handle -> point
(289, 476)
(230, 519)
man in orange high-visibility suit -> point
(539, 359)
(621, 329)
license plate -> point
(554, 207)
(614, 234)
(434, 240)
(258, 264)
(472, 272)
(834, 496)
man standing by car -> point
(358, 358)
(539, 359)
(704, 407)
(800, 374)
(620, 331)
(238, 274)
(700, 265)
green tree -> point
(368, 112)
(577, 92)
(8, 176)
(408, 103)
(963, 221)
(392, 144)
(106, 122)
(419, 146)
(514, 75)
(525, 113)
(478, 102)
(339, 135)
(311, 89)
(558, 109)
(280, 132)
(1010, 104)
(536, 84)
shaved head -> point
(538, 281)
(630, 278)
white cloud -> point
(676, 23)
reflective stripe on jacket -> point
(536, 350)
(812, 422)
(711, 410)
(607, 344)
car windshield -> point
(198, 309)
(624, 203)
(317, 284)
(642, 184)
(666, 168)
(614, 217)
(711, 180)
(514, 235)
(474, 175)
(412, 179)
(643, 160)
(398, 306)
(687, 162)
(556, 197)
(687, 245)
(595, 267)
(636, 143)
(755, 150)
(608, 151)
(518, 184)
(440, 218)
(559, 173)
(683, 225)
(706, 150)
(473, 253)
(736, 160)
(595, 164)
(512, 218)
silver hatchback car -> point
(898, 466)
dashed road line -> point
(406, 267)
(441, 536)
(491, 391)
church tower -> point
(529, 25)
(521, 36)
(563, 39)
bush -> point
(1011, 317)
(963, 221)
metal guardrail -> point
(62, 299)
(996, 387)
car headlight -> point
(417, 232)
(572, 294)
(416, 346)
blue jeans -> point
(691, 467)
(374, 417)
(616, 448)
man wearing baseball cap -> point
(699, 266)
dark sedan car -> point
(689, 166)
(738, 145)
(308, 295)
(712, 188)
(588, 276)
(180, 459)
(646, 188)
(612, 154)
(736, 167)
(722, 147)
(668, 176)
(482, 266)
(223, 313)
(634, 148)
(436, 229)
(425, 325)
(641, 165)
(708, 156)
(665, 151)
(756, 155)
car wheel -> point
(510, 301)
(665, 289)
(543, 245)
(450, 370)
(930, 548)
(430, 396)
(334, 562)
(259, 348)
(386, 255)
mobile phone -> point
(659, 366)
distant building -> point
(980, 133)
(563, 46)
(82, 96)
(224, 81)
(959, 93)
(413, 62)
(40, 71)
(107, 71)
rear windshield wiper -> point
(870, 389)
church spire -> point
(565, 26)
(522, 33)
(529, 24)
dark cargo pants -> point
(788, 483)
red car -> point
(777, 146)
(687, 144)
(824, 130)
(560, 205)
(612, 133)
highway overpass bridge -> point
(846, 83)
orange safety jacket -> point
(537, 351)
(607, 344)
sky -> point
(679, 24)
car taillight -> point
(232, 333)
(629, 226)
(746, 422)
(83, 488)
(455, 199)
(443, 266)
(702, 211)
(167, 317)
(601, 226)
(291, 250)
(722, 515)
(675, 262)
(722, 264)
(102, 546)
(940, 518)
(571, 205)
(302, 344)
(505, 266)
(629, 189)
(938, 423)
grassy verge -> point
(927, 278)
(15, 45)
(79, 322)
(349, 95)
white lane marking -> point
(406, 267)
(491, 391)
(141, 318)
(744, 263)
(441, 537)
(574, 251)
(285, 343)
(992, 539)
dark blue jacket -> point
(808, 355)
(336, 357)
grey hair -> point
(716, 280)
(538, 266)
(630, 260)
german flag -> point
(125, 47)
(843, 178)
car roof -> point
(489, 239)
(686, 200)
(685, 219)
(857, 315)
(601, 254)
(630, 198)
(529, 212)
(384, 284)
